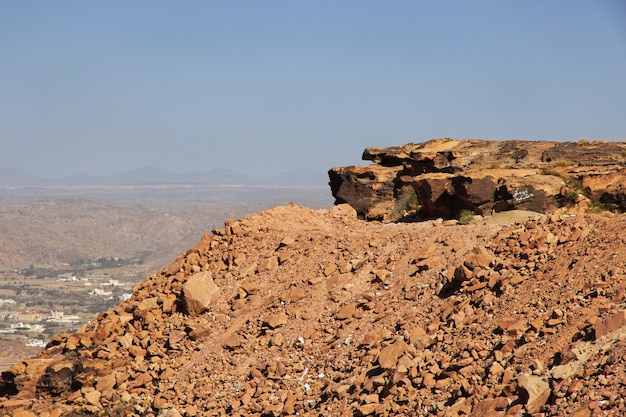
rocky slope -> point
(442, 177)
(295, 311)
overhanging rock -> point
(442, 177)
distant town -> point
(35, 306)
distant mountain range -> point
(17, 178)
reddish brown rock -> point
(198, 293)
(489, 405)
(146, 306)
(346, 312)
(276, 320)
(92, 397)
(388, 357)
(448, 340)
(23, 413)
(479, 258)
(582, 412)
(343, 211)
(446, 176)
(268, 264)
(232, 342)
(106, 383)
(535, 390)
(609, 324)
(294, 294)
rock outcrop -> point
(441, 178)
(315, 312)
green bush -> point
(597, 207)
(466, 216)
(570, 198)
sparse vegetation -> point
(405, 205)
(575, 189)
(576, 184)
(103, 262)
(41, 272)
(466, 217)
(552, 170)
(569, 199)
(597, 207)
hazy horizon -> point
(148, 168)
(265, 87)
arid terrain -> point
(313, 311)
(316, 312)
(68, 253)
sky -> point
(263, 87)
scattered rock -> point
(198, 293)
(276, 320)
(386, 332)
(609, 324)
(535, 390)
(346, 312)
(389, 355)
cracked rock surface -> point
(440, 178)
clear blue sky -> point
(266, 86)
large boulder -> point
(199, 292)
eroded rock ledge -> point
(442, 177)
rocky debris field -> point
(296, 311)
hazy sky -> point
(266, 86)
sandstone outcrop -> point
(441, 178)
(320, 313)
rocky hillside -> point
(295, 311)
(441, 178)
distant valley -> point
(69, 251)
